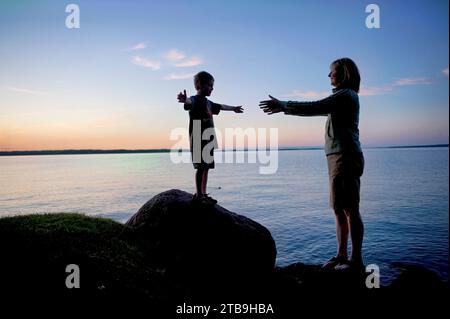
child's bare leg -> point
(199, 181)
(204, 180)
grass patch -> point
(36, 250)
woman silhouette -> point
(344, 155)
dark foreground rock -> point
(37, 249)
(169, 253)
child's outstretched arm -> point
(182, 98)
(236, 109)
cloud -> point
(190, 62)
(312, 95)
(375, 90)
(412, 81)
(175, 55)
(364, 91)
(154, 65)
(26, 91)
(445, 71)
(181, 60)
(175, 58)
(182, 76)
(139, 46)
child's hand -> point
(238, 109)
(182, 97)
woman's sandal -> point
(334, 261)
(350, 265)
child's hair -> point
(348, 74)
(202, 78)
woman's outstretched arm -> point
(315, 108)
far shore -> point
(125, 151)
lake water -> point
(404, 199)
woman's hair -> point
(202, 78)
(347, 74)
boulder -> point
(203, 244)
(414, 277)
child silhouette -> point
(201, 131)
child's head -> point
(344, 74)
(204, 83)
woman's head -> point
(344, 74)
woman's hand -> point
(238, 109)
(271, 106)
(182, 97)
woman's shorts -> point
(344, 171)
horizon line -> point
(167, 150)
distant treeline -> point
(73, 152)
(165, 150)
(416, 146)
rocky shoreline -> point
(171, 252)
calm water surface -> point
(404, 199)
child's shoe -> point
(203, 199)
(209, 199)
(196, 198)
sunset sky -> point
(112, 83)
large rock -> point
(414, 277)
(203, 244)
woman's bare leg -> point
(342, 231)
(356, 232)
